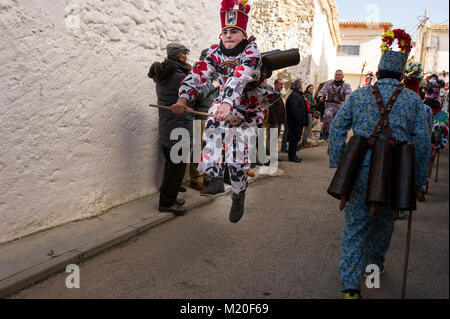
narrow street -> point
(286, 246)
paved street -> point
(286, 246)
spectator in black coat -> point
(277, 113)
(297, 118)
(168, 76)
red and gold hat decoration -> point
(232, 17)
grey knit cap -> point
(176, 48)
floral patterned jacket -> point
(361, 113)
(248, 103)
(335, 93)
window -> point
(348, 50)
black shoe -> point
(175, 208)
(216, 186)
(295, 160)
(237, 208)
(182, 189)
(180, 202)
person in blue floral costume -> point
(412, 80)
(365, 241)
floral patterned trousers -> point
(330, 113)
(364, 240)
(228, 147)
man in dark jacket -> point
(277, 113)
(297, 118)
(168, 76)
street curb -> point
(106, 242)
(151, 222)
(43, 271)
(30, 276)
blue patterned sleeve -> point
(338, 134)
(422, 141)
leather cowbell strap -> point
(231, 64)
(340, 95)
(384, 118)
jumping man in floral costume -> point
(243, 95)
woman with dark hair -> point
(320, 105)
(309, 94)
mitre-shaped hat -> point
(234, 14)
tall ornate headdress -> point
(232, 17)
(432, 85)
(392, 60)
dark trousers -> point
(294, 136)
(276, 125)
(284, 140)
(173, 177)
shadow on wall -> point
(323, 65)
(319, 73)
(139, 136)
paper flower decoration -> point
(403, 40)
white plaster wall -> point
(76, 134)
(323, 50)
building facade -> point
(432, 48)
(360, 51)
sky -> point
(403, 14)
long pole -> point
(233, 121)
(408, 243)
(437, 165)
(362, 72)
(188, 111)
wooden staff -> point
(189, 111)
(437, 165)
(233, 121)
(362, 73)
(408, 242)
